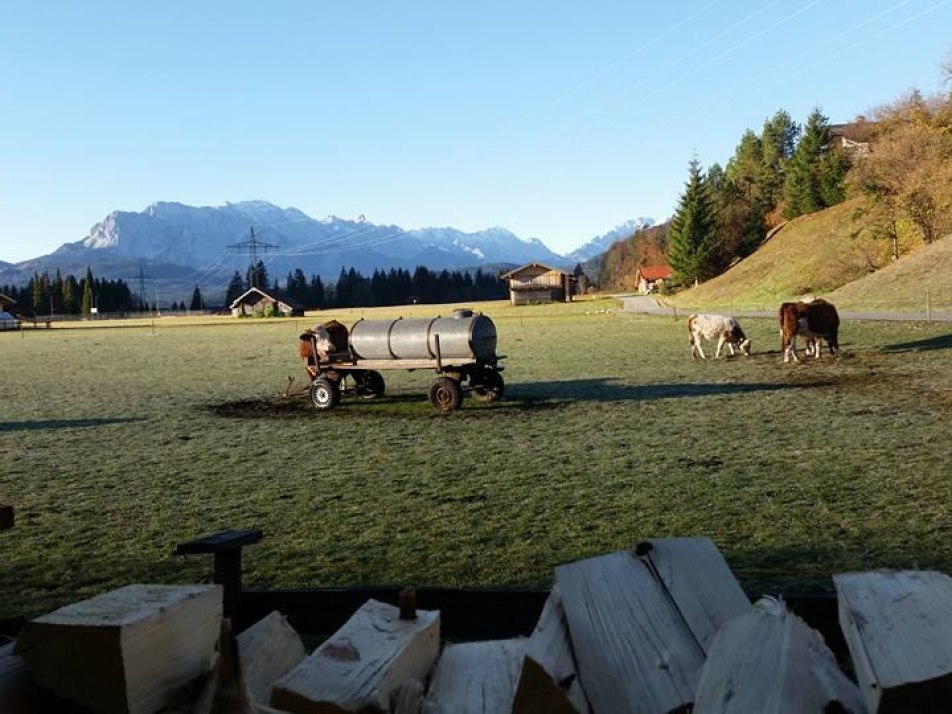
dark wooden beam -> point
(6, 517)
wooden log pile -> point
(664, 628)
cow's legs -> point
(790, 349)
(696, 348)
(720, 343)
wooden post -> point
(928, 307)
(226, 548)
(6, 517)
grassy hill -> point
(905, 285)
(819, 255)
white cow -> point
(720, 328)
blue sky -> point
(556, 120)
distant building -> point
(536, 283)
(853, 138)
(650, 277)
(257, 301)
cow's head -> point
(744, 347)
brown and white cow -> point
(815, 319)
(720, 328)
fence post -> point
(928, 306)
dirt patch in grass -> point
(280, 408)
(388, 407)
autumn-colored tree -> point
(907, 178)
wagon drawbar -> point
(460, 349)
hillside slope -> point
(921, 277)
(810, 255)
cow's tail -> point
(691, 330)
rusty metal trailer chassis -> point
(345, 373)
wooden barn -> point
(536, 283)
(257, 301)
(650, 277)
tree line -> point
(396, 286)
(66, 295)
(899, 171)
(725, 213)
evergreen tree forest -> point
(725, 213)
(65, 295)
(394, 287)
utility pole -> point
(142, 278)
(251, 247)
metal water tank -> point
(465, 336)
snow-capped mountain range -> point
(205, 245)
(599, 244)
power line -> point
(251, 247)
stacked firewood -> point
(659, 629)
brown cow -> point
(814, 319)
(327, 338)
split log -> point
(363, 663)
(898, 627)
(19, 694)
(475, 678)
(408, 698)
(267, 651)
(128, 650)
(548, 681)
(699, 581)
(769, 661)
(634, 651)
(641, 621)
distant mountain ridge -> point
(198, 244)
(184, 246)
(600, 244)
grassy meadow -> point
(116, 444)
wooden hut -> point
(257, 302)
(536, 283)
(650, 277)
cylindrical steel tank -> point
(464, 336)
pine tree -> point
(198, 303)
(778, 141)
(803, 189)
(236, 287)
(692, 247)
(87, 307)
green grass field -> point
(116, 444)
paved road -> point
(650, 305)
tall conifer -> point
(692, 247)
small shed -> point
(534, 283)
(257, 302)
(650, 277)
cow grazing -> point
(815, 320)
(326, 338)
(717, 327)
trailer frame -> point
(456, 378)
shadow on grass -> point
(47, 424)
(942, 342)
(604, 389)
(520, 397)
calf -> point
(720, 328)
(815, 320)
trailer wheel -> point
(487, 385)
(325, 394)
(445, 395)
(371, 385)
